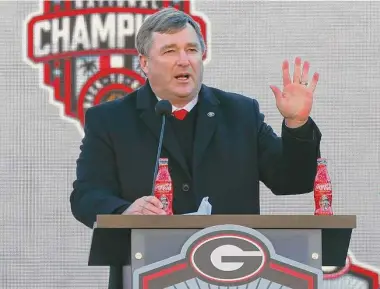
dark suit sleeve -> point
(96, 188)
(287, 164)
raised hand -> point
(296, 99)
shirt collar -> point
(188, 107)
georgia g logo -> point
(228, 258)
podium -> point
(251, 251)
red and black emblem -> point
(87, 49)
(230, 257)
(352, 275)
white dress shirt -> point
(188, 107)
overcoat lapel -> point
(208, 116)
(146, 101)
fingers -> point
(300, 74)
(148, 205)
(150, 209)
(305, 72)
(314, 81)
(132, 212)
(285, 73)
(297, 70)
(153, 200)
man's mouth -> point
(183, 76)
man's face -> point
(174, 65)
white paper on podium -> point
(204, 208)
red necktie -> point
(180, 114)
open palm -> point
(296, 99)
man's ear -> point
(143, 60)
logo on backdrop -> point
(353, 275)
(229, 256)
(86, 49)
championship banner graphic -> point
(86, 49)
(227, 256)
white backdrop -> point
(42, 246)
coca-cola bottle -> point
(163, 186)
(322, 189)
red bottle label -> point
(322, 190)
(163, 187)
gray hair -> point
(167, 20)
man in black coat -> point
(220, 147)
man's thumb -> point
(276, 91)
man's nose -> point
(183, 59)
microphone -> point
(163, 108)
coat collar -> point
(146, 98)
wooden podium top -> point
(200, 221)
(111, 240)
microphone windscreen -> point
(163, 107)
